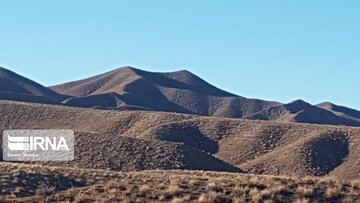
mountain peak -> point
(299, 102)
(123, 69)
(340, 110)
(184, 71)
(184, 74)
(325, 104)
(174, 74)
(298, 105)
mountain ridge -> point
(129, 88)
(179, 91)
(16, 87)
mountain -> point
(129, 88)
(179, 91)
(184, 92)
(270, 152)
(18, 88)
(341, 111)
(303, 112)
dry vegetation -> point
(174, 186)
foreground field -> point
(35, 183)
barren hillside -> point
(18, 88)
(155, 140)
(129, 88)
(302, 112)
(184, 92)
(179, 91)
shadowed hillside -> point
(138, 140)
(19, 88)
(341, 111)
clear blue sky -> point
(273, 50)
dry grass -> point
(45, 189)
(175, 186)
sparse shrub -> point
(254, 192)
(181, 200)
(162, 197)
(238, 191)
(212, 186)
(173, 190)
(144, 189)
(44, 189)
(265, 194)
(260, 195)
(305, 191)
(333, 192)
(302, 200)
(177, 200)
(239, 200)
(208, 197)
(193, 182)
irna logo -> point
(37, 143)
